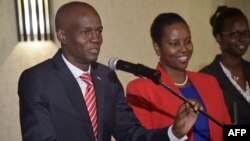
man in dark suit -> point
(52, 104)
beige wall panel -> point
(246, 8)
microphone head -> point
(112, 63)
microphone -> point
(137, 69)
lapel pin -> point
(98, 77)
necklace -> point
(236, 78)
(183, 83)
(227, 71)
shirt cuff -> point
(172, 137)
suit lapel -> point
(247, 69)
(224, 80)
(99, 91)
(73, 91)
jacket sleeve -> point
(227, 118)
(140, 103)
(127, 126)
(34, 115)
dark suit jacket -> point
(231, 94)
(52, 107)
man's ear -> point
(61, 36)
(156, 48)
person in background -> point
(155, 106)
(72, 97)
(231, 31)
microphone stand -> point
(185, 100)
(155, 75)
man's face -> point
(82, 36)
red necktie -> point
(90, 101)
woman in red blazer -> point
(155, 106)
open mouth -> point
(183, 58)
(242, 47)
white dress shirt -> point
(77, 73)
